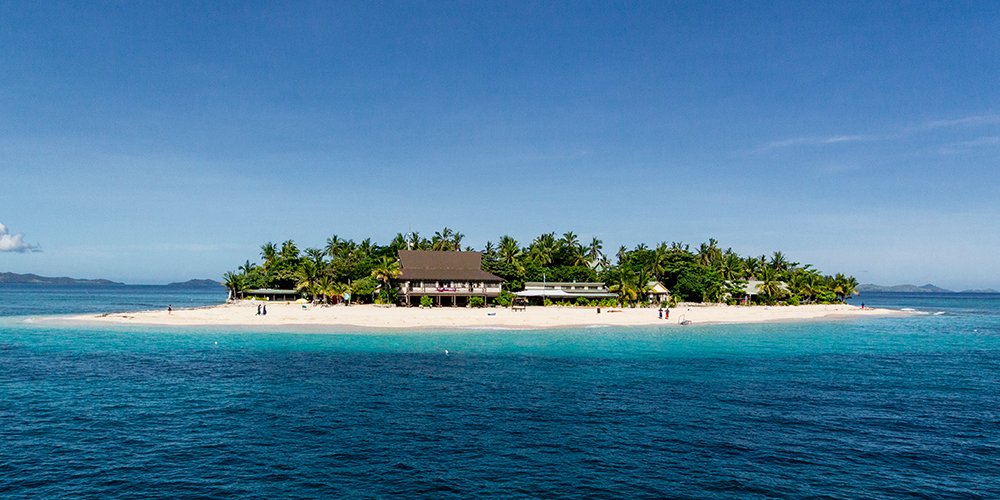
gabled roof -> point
(657, 287)
(439, 266)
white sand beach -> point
(370, 316)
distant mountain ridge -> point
(46, 280)
(928, 288)
(34, 279)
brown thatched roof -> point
(443, 266)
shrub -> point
(504, 299)
(546, 302)
(582, 301)
(426, 301)
(476, 302)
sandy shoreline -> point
(243, 314)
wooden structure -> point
(450, 278)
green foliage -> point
(504, 299)
(362, 289)
(387, 296)
(426, 301)
(707, 273)
(582, 301)
(546, 302)
(476, 302)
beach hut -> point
(658, 293)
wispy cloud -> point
(817, 141)
(967, 121)
(958, 147)
(15, 242)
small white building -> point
(561, 290)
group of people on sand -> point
(664, 313)
(261, 311)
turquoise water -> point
(878, 407)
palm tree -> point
(770, 286)
(510, 250)
(456, 241)
(325, 287)
(844, 286)
(316, 256)
(289, 250)
(622, 254)
(779, 262)
(386, 269)
(569, 240)
(442, 240)
(307, 277)
(544, 248)
(247, 267)
(731, 267)
(234, 283)
(594, 249)
(268, 252)
(658, 265)
(334, 245)
(489, 251)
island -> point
(554, 281)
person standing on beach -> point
(170, 308)
(265, 310)
(666, 313)
(661, 313)
(258, 309)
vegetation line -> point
(708, 274)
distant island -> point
(34, 279)
(928, 288)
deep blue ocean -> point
(867, 408)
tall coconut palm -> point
(316, 256)
(510, 250)
(289, 250)
(234, 283)
(658, 264)
(594, 250)
(386, 269)
(268, 253)
(770, 286)
(779, 262)
(622, 254)
(307, 276)
(443, 240)
(489, 251)
(334, 245)
(544, 248)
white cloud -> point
(15, 242)
(967, 121)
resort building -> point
(752, 289)
(450, 278)
(657, 292)
(270, 294)
(556, 290)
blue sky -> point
(153, 142)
